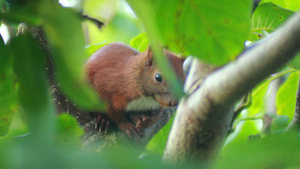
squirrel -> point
(130, 83)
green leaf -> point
(269, 152)
(5, 60)
(286, 96)
(241, 134)
(64, 33)
(295, 63)
(280, 123)
(288, 4)
(29, 66)
(8, 104)
(68, 130)
(91, 49)
(140, 42)
(214, 31)
(18, 126)
(197, 28)
(159, 141)
(8, 95)
(21, 18)
(268, 17)
(258, 98)
(20, 12)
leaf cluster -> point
(31, 136)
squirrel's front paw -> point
(132, 132)
(102, 123)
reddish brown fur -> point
(121, 74)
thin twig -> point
(96, 21)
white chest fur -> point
(143, 103)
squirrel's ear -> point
(149, 58)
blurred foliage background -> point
(31, 136)
(121, 24)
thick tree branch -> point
(197, 73)
(202, 120)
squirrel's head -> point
(155, 83)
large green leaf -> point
(214, 31)
(8, 97)
(286, 96)
(288, 4)
(241, 134)
(64, 33)
(268, 17)
(20, 12)
(159, 141)
(29, 66)
(269, 152)
(8, 104)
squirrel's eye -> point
(158, 77)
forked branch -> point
(203, 118)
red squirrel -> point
(130, 81)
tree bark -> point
(202, 120)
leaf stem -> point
(245, 119)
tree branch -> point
(99, 141)
(197, 72)
(92, 139)
(202, 120)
